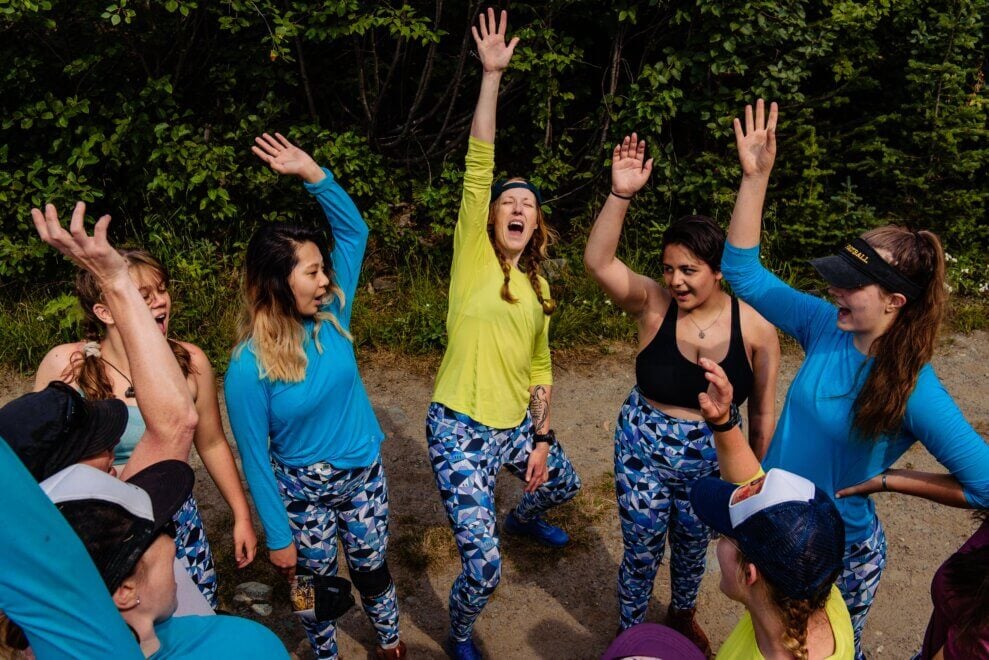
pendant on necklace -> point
(701, 334)
(129, 393)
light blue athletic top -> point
(216, 637)
(814, 436)
(48, 583)
(132, 433)
(325, 418)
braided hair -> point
(536, 250)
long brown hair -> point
(271, 320)
(535, 252)
(86, 367)
(908, 344)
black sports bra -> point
(665, 376)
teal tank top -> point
(135, 429)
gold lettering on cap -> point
(858, 254)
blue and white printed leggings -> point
(323, 502)
(192, 549)
(859, 579)
(466, 457)
(658, 459)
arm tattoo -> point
(538, 407)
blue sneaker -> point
(536, 529)
(463, 650)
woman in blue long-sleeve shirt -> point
(866, 390)
(307, 434)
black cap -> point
(858, 264)
(117, 520)
(56, 427)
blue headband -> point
(501, 185)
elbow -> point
(184, 431)
(594, 265)
(977, 498)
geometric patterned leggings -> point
(323, 503)
(658, 459)
(859, 579)
(192, 549)
(466, 457)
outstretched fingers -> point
(284, 141)
(268, 145)
(774, 113)
(40, 225)
(501, 27)
(482, 23)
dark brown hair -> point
(89, 371)
(968, 575)
(270, 318)
(909, 343)
(534, 253)
(699, 234)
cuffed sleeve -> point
(933, 418)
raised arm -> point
(762, 400)
(629, 172)
(495, 54)
(285, 158)
(736, 459)
(162, 393)
(350, 231)
(757, 153)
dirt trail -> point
(562, 604)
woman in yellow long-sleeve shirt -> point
(491, 403)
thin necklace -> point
(700, 330)
(129, 392)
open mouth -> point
(516, 227)
(844, 313)
(161, 319)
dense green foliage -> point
(146, 110)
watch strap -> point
(734, 419)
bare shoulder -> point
(61, 355)
(197, 357)
(56, 364)
(755, 328)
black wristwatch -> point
(734, 419)
(549, 438)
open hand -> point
(757, 143)
(716, 402)
(93, 253)
(286, 158)
(629, 169)
(489, 36)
